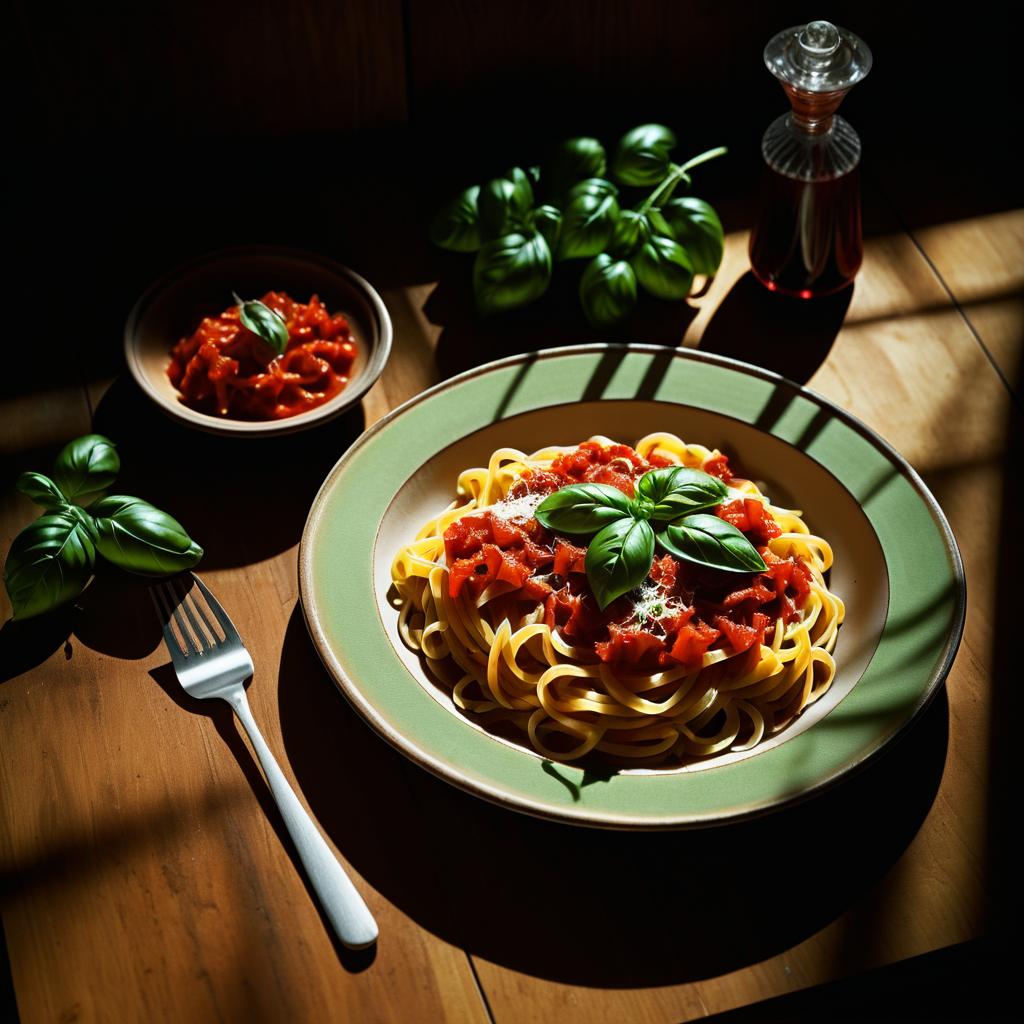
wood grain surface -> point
(144, 864)
(144, 872)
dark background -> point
(142, 135)
(147, 133)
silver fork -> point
(214, 663)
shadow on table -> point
(791, 337)
(582, 906)
(556, 320)
(243, 499)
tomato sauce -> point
(681, 612)
(225, 369)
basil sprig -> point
(264, 322)
(620, 555)
(616, 213)
(51, 560)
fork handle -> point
(351, 918)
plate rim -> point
(580, 816)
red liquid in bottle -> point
(808, 240)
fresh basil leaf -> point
(659, 225)
(504, 204)
(587, 225)
(619, 559)
(571, 161)
(582, 508)
(49, 563)
(457, 224)
(42, 490)
(548, 221)
(631, 230)
(607, 291)
(264, 322)
(678, 491)
(711, 542)
(136, 536)
(85, 468)
(592, 187)
(663, 268)
(511, 271)
(696, 227)
(642, 155)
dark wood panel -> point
(221, 68)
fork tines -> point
(190, 621)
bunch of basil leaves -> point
(523, 223)
(676, 500)
(52, 559)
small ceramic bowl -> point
(173, 307)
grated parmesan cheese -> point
(509, 509)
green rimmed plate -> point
(896, 567)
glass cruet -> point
(807, 240)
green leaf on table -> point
(711, 542)
(582, 508)
(505, 204)
(631, 231)
(264, 322)
(49, 563)
(619, 559)
(42, 490)
(548, 221)
(679, 491)
(511, 271)
(663, 268)
(607, 291)
(642, 155)
(456, 226)
(696, 227)
(85, 468)
(570, 162)
(134, 535)
(587, 224)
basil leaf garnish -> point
(136, 536)
(711, 542)
(49, 563)
(583, 508)
(264, 322)
(679, 491)
(85, 468)
(42, 490)
(619, 559)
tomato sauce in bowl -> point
(224, 369)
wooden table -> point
(146, 873)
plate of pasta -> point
(629, 587)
